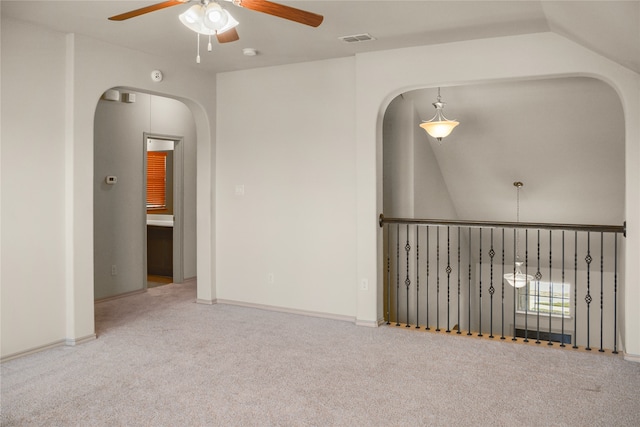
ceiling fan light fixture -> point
(192, 19)
(231, 23)
(439, 126)
(209, 20)
(215, 17)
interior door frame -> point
(178, 203)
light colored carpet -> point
(162, 360)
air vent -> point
(357, 38)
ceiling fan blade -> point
(143, 10)
(228, 36)
(282, 11)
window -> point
(545, 298)
(156, 180)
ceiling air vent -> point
(357, 38)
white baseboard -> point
(40, 348)
(82, 340)
(58, 343)
(206, 301)
(368, 323)
(289, 310)
(632, 357)
(124, 295)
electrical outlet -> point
(364, 285)
(114, 270)
(271, 278)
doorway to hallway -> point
(163, 188)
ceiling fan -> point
(207, 17)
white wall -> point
(33, 192)
(118, 210)
(287, 134)
(47, 256)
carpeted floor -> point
(162, 360)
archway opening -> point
(563, 137)
(122, 128)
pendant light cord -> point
(518, 185)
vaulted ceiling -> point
(563, 137)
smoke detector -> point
(249, 51)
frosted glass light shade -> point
(231, 23)
(439, 126)
(215, 17)
(193, 19)
(210, 21)
(518, 280)
(439, 129)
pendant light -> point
(517, 279)
(439, 126)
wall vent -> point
(357, 38)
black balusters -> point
(538, 277)
(515, 290)
(491, 288)
(480, 284)
(601, 290)
(388, 275)
(407, 281)
(563, 297)
(551, 298)
(428, 305)
(398, 275)
(438, 279)
(458, 331)
(526, 286)
(575, 292)
(417, 277)
(551, 286)
(588, 298)
(502, 294)
(469, 291)
(448, 280)
(615, 294)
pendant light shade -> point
(519, 279)
(439, 126)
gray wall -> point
(119, 215)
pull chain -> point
(198, 50)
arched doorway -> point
(122, 127)
(571, 176)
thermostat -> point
(156, 75)
(111, 179)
